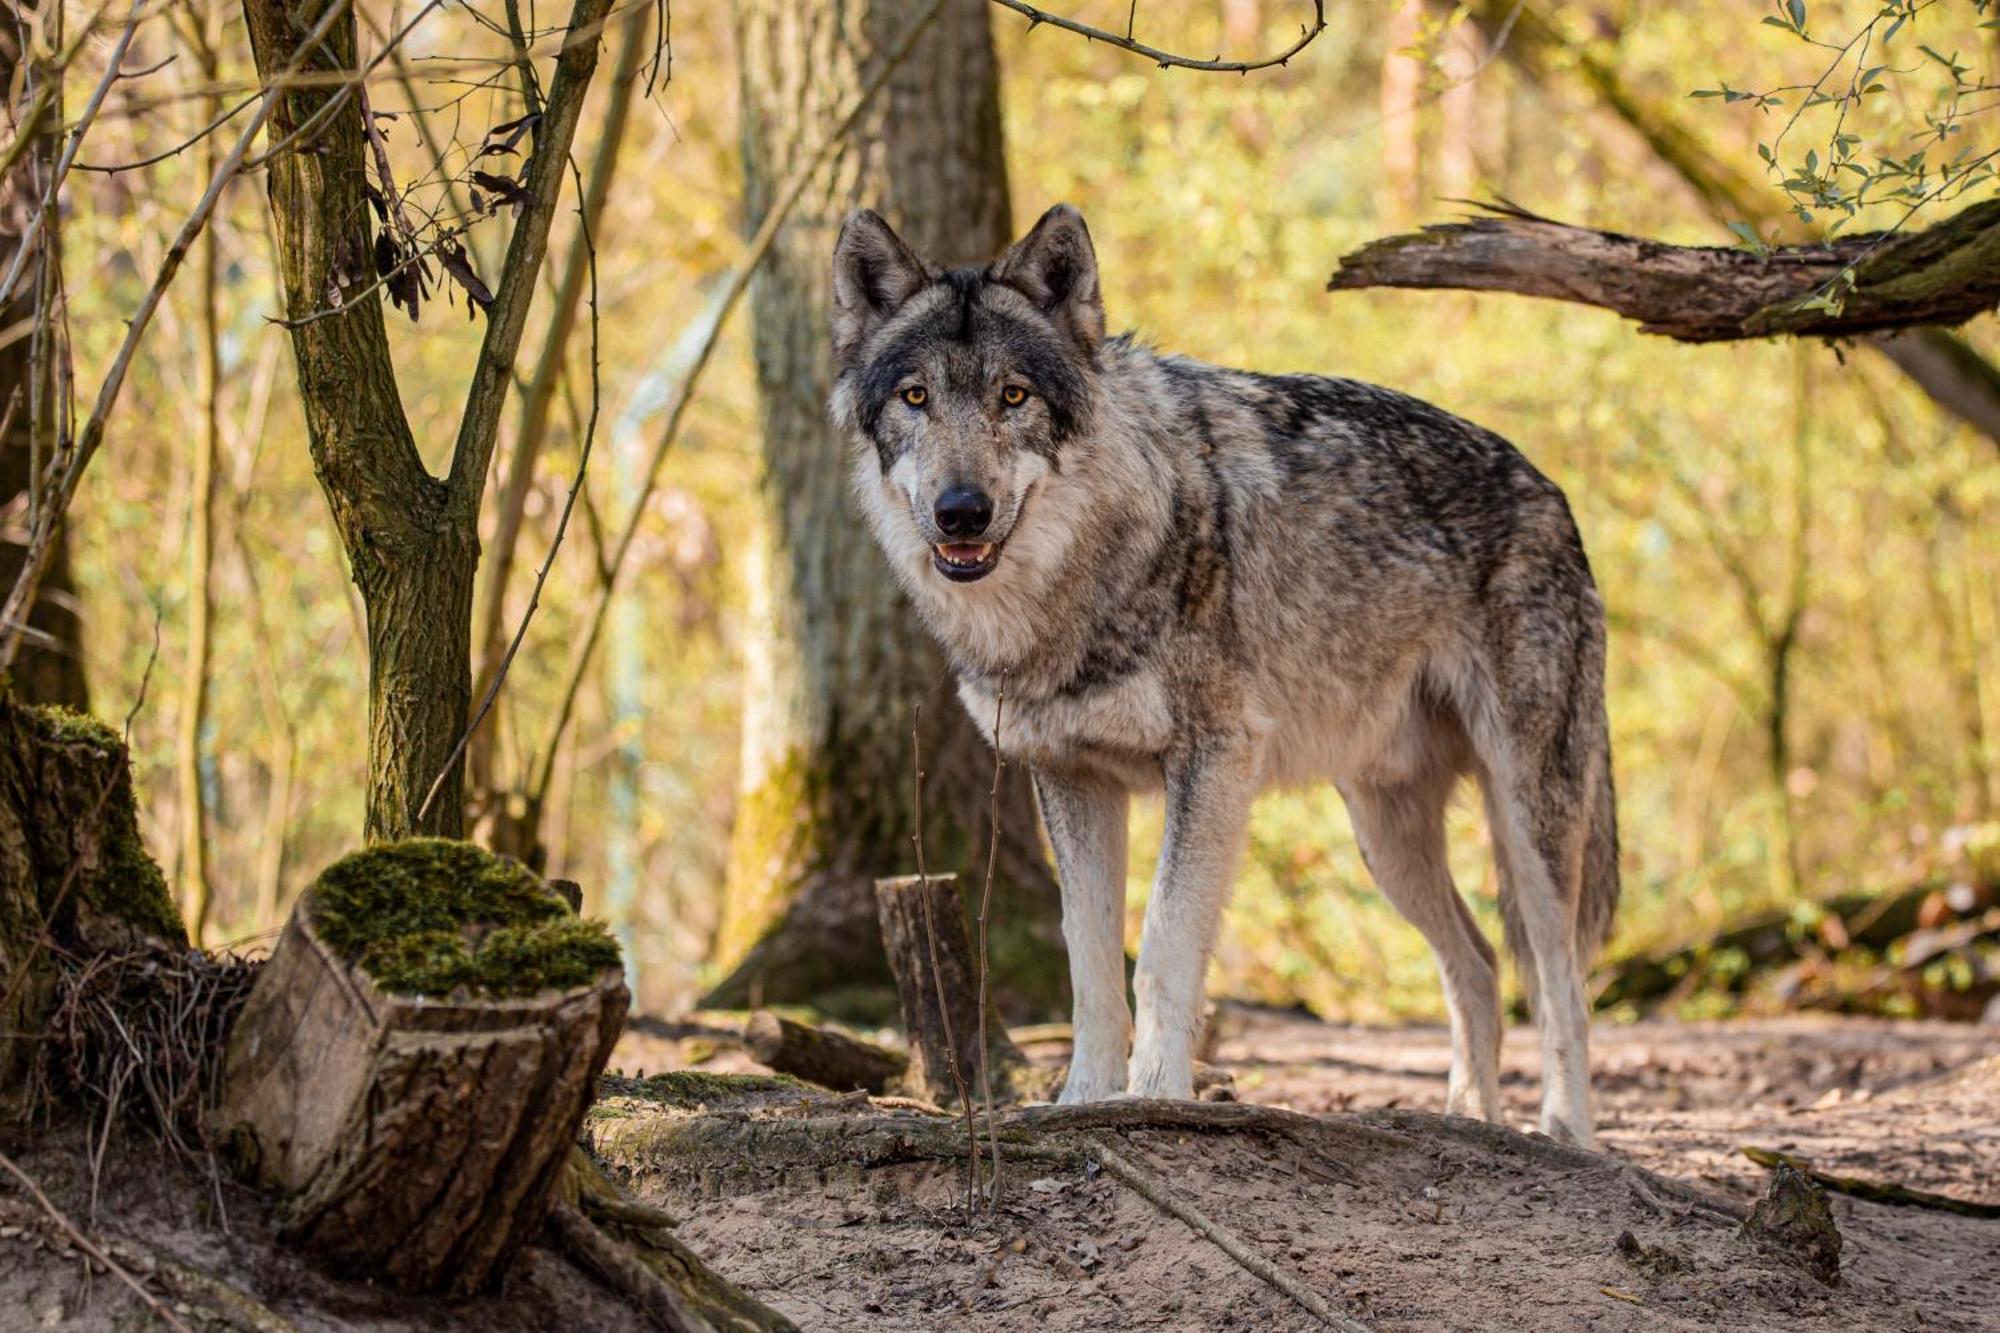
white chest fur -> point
(1121, 728)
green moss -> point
(430, 916)
(690, 1088)
(66, 726)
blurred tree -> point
(839, 665)
(49, 668)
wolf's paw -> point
(1089, 1086)
(1576, 1135)
(1160, 1078)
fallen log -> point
(411, 1067)
(821, 1055)
(1875, 1191)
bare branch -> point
(1941, 276)
(1167, 59)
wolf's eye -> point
(1013, 395)
(916, 395)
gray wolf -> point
(1208, 582)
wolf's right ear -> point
(873, 274)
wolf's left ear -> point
(874, 272)
(1055, 266)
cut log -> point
(75, 878)
(414, 1062)
(821, 1055)
(930, 952)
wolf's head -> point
(968, 384)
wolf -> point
(1207, 582)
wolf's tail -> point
(1599, 901)
(1597, 895)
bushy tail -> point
(1599, 904)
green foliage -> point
(429, 916)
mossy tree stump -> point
(937, 979)
(74, 874)
(412, 1068)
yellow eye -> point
(1013, 395)
(916, 395)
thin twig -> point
(160, 1311)
(973, 1185)
(1230, 1241)
(985, 906)
(739, 282)
(1167, 59)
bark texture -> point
(1944, 275)
(74, 875)
(923, 932)
(839, 664)
(49, 668)
(821, 1055)
(415, 1139)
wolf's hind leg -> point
(1086, 821)
(1401, 831)
(1209, 792)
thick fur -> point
(1208, 582)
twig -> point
(1231, 1242)
(985, 904)
(739, 282)
(1167, 59)
(973, 1186)
(1887, 1192)
(90, 1247)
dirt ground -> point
(1400, 1220)
(1433, 1233)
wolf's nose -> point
(964, 511)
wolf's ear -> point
(1055, 266)
(873, 274)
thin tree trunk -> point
(49, 668)
(838, 664)
(206, 447)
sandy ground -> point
(1405, 1228)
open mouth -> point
(964, 562)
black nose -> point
(964, 511)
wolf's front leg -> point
(1209, 791)
(1086, 821)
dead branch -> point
(985, 908)
(91, 1248)
(1875, 1191)
(1870, 284)
(1230, 1241)
(1167, 59)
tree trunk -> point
(49, 668)
(937, 979)
(412, 552)
(838, 664)
(74, 874)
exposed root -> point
(1231, 1242)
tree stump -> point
(941, 1003)
(821, 1055)
(74, 874)
(416, 1058)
